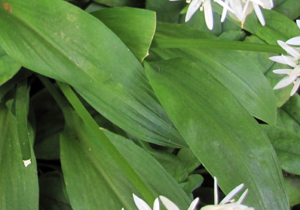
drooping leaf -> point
(18, 184)
(96, 180)
(63, 42)
(135, 27)
(220, 132)
(231, 68)
(8, 67)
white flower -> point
(241, 8)
(195, 5)
(227, 203)
(142, 205)
(291, 60)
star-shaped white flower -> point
(227, 203)
(292, 60)
(195, 5)
(242, 8)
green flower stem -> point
(21, 115)
(215, 44)
(86, 117)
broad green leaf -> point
(166, 10)
(96, 180)
(278, 27)
(287, 147)
(234, 70)
(220, 132)
(58, 40)
(135, 27)
(289, 115)
(289, 8)
(52, 192)
(8, 67)
(18, 184)
(292, 185)
(118, 3)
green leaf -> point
(292, 185)
(231, 68)
(63, 42)
(289, 115)
(96, 180)
(8, 67)
(220, 132)
(289, 8)
(118, 3)
(278, 27)
(21, 107)
(166, 10)
(135, 27)
(18, 184)
(287, 147)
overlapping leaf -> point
(18, 185)
(95, 172)
(231, 68)
(220, 132)
(133, 26)
(63, 42)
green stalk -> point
(214, 44)
(21, 115)
(106, 143)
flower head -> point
(227, 203)
(241, 8)
(293, 60)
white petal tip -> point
(27, 162)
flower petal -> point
(298, 23)
(295, 88)
(286, 81)
(194, 6)
(209, 18)
(290, 50)
(282, 71)
(168, 204)
(294, 41)
(283, 59)
(259, 14)
(232, 194)
(156, 204)
(141, 204)
(194, 204)
(242, 197)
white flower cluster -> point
(226, 204)
(293, 60)
(237, 9)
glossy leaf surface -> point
(18, 184)
(95, 171)
(65, 43)
(220, 132)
